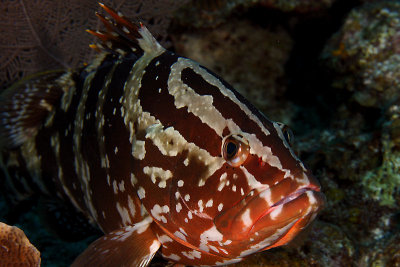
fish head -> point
(282, 197)
(226, 180)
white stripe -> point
(160, 136)
(203, 108)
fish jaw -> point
(271, 216)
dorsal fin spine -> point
(123, 35)
(148, 43)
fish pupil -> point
(231, 149)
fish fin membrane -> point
(133, 245)
(25, 105)
(123, 37)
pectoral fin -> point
(25, 106)
(129, 246)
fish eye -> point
(287, 133)
(235, 150)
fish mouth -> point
(289, 215)
(264, 211)
(291, 197)
(313, 193)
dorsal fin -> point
(124, 37)
(25, 105)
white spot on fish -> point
(246, 219)
(211, 234)
(182, 231)
(141, 192)
(227, 242)
(187, 197)
(266, 194)
(200, 204)
(157, 210)
(131, 205)
(213, 248)
(192, 254)
(165, 239)
(156, 172)
(178, 207)
(133, 179)
(115, 186)
(220, 206)
(180, 236)
(223, 181)
(173, 257)
(123, 212)
(122, 186)
(138, 148)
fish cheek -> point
(193, 172)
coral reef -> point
(365, 54)
(15, 248)
(212, 13)
(225, 50)
(303, 6)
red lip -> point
(259, 204)
(292, 197)
(294, 207)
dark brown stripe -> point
(62, 121)
(116, 135)
(48, 162)
(66, 120)
(89, 144)
(90, 147)
(160, 104)
(265, 173)
(231, 110)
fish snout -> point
(277, 213)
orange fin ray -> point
(121, 36)
(120, 19)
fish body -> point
(158, 152)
